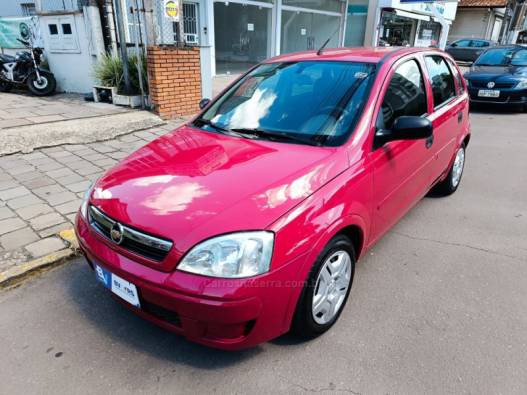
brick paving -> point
(19, 109)
(40, 192)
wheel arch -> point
(356, 234)
(466, 140)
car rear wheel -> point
(450, 184)
(326, 290)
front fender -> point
(343, 202)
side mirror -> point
(405, 128)
(203, 103)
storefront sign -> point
(172, 10)
(26, 28)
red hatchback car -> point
(247, 222)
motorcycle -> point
(24, 69)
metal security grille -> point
(28, 9)
(167, 30)
(61, 5)
(190, 23)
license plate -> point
(488, 93)
(118, 286)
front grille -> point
(498, 85)
(139, 243)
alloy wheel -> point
(457, 168)
(331, 287)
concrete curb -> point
(17, 273)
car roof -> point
(475, 39)
(359, 54)
(510, 46)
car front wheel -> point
(450, 184)
(326, 290)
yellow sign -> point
(172, 10)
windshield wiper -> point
(275, 136)
(208, 122)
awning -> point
(412, 15)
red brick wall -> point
(175, 80)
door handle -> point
(429, 141)
(460, 117)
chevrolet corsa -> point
(247, 222)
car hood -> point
(190, 184)
(495, 73)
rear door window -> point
(479, 43)
(441, 79)
(461, 44)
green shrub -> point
(109, 72)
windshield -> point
(503, 57)
(311, 101)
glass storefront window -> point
(242, 36)
(356, 23)
(322, 5)
(303, 31)
(396, 31)
(428, 34)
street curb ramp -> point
(14, 275)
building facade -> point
(479, 19)
(413, 23)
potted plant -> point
(109, 73)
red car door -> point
(449, 114)
(401, 169)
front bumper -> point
(507, 97)
(221, 313)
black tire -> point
(45, 87)
(304, 324)
(448, 186)
(5, 86)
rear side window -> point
(461, 43)
(458, 77)
(406, 95)
(479, 44)
(441, 78)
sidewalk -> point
(24, 109)
(40, 192)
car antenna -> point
(319, 52)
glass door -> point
(242, 35)
(302, 31)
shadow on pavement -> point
(113, 320)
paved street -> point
(438, 306)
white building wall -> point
(71, 59)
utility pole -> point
(122, 45)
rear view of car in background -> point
(499, 76)
(468, 49)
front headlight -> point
(522, 84)
(85, 200)
(235, 255)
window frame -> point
(458, 81)
(449, 100)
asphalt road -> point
(438, 306)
